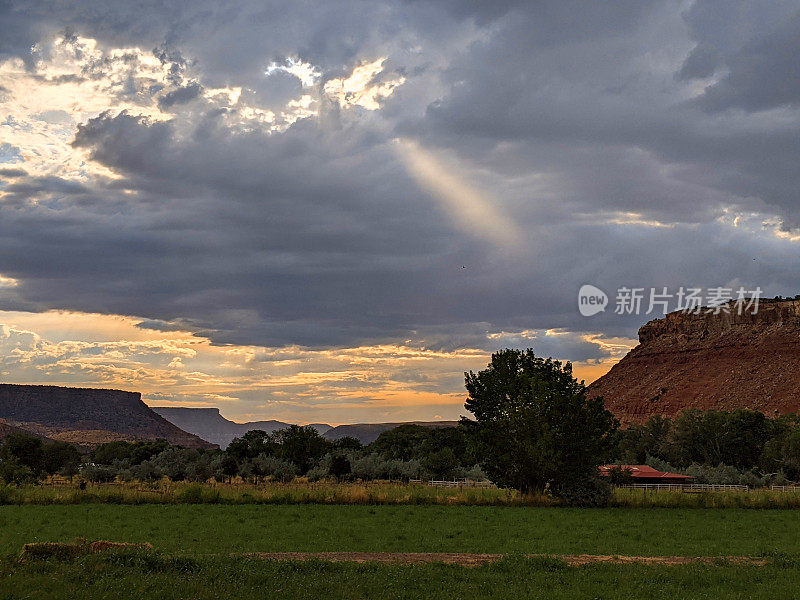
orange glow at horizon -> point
(375, 383)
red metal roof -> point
(642, 471)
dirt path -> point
(474, 560)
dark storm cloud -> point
(180, 95)
(574, 115)
(591, 97)
(754, 44)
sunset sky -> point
(327, 212)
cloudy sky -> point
(327, 211)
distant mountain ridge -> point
(367, 433)
(209, 424)
(87, 416)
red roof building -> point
(646, 474)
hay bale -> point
(48, 550)
(71, 550)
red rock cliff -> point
(724, 361)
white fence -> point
(687, 487)
(456, 483)
(785, 488)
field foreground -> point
(474, 560)
(240, 551)
(367, 493)
(203, 529)
(136, 575)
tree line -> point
(405, 453)
(534, 430)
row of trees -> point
(534, 429)
(743, 440)
(408, 452)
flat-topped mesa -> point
(688, 328)
(88, 416)
(721, 361)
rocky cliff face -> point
(706, 361)
(88, 416)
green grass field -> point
(138, 576)
(195, 542)
(204, 529)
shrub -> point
(476, 474)
(589, 492)
(276, 468)
(98, 473)
(12, 471)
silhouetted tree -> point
(340, 466)
(347, 443)
(24, 450)
(250, 445)
(59, 457)
(537, 426)
(301, 446)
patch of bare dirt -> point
(474, 560)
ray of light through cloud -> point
(472, 210)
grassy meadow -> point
(369, 493)
(297, 492)
(136, 575)
(202, 533)
(220, 529)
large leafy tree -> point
(25, 450)
(302, 446)
(536, 425)
(251, 444)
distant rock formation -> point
(210, 425)
(367, 433)
(722, 361)
(87, 416)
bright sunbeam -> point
(470, 209)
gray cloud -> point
(757, 43)
(583, 121)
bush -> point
(25, 450)
(371, 466)
(476, 474)
(276, 468)
(98, 473)
(12, 471)
(591, 492)
(620, 476)
(146, 471)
